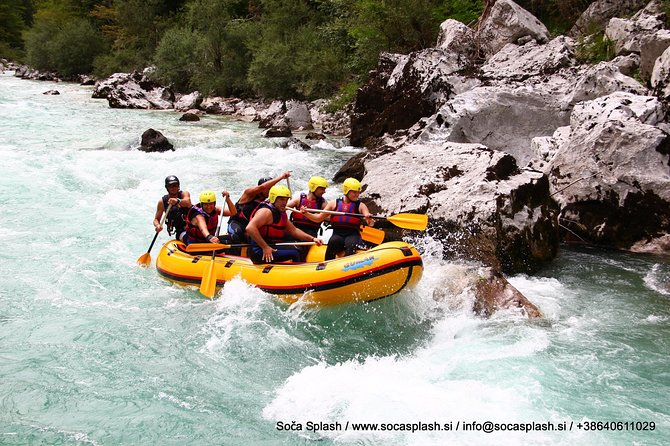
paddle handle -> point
(162, 221)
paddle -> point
(372, 235)
(199, 247)
(145, 259)
(418, 222)
(208, 284)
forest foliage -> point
(301, 49)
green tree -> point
(12, 24)
(175, 62)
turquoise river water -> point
(96, 351)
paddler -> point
(270, 224)
(203, 218)
(247, 203)
(181, 203)
(313, 199)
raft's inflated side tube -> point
(368, 275)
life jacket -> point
(346, 221)
(275, 232)
(301, 220)
(193, 231)
(244, 212)
(176, 218)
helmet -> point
(351, 184)
(171, 179)
(207, 196)
(315, 182)
(279, 191)
(263, 180)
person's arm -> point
(318, 217)
(250, 192)
(200, 222)
(158, 216)
(298, 234)
(293, 202)
(262, 217)
(366, 212)
(185, 200)
(230, 206)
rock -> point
(404, 89)
(651, 48)
(353, 168)
(660, 77)
(123, 90)
(598, 14)
(458, 38)
(189, 101)
(627, 65)
(297, 116)
(154, 141)
(507, 22)
(315, 136)
(273, 115)
(278, 132)
(610, 175)
(218, 105)
(481, 205)
(492, 292)
(600, 80)
(87, 80)
(190, 117)
(51, 92)
(294, 143)
(497, 117)
(627, 34)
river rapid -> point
(97, 351)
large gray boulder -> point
(480, 204)
(598, 14)
(506, 22)
(610, 174)
(134, 90)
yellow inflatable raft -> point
(368, 275)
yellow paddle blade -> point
(144, 260)
(208, 284)
(372, 235)
(418, 222)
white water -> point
(94, 350)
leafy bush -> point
(175, 56)
(595, 48)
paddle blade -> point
(417, 222)
(208, 284)
(372, 235)
(144, 260)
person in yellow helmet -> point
(203, 218)
(181, 203)
(269, 224)
(250, 199)
(346, 229)
(313, 199)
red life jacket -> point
(274, 232)
(346, 221)
(301, 220)
(193, 231)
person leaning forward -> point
(181, 203)
(203, 218)
(269, 224)
(346, 228)
(247, 203)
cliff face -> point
(511, 145)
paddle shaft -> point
(162, 221)
(217, 246)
